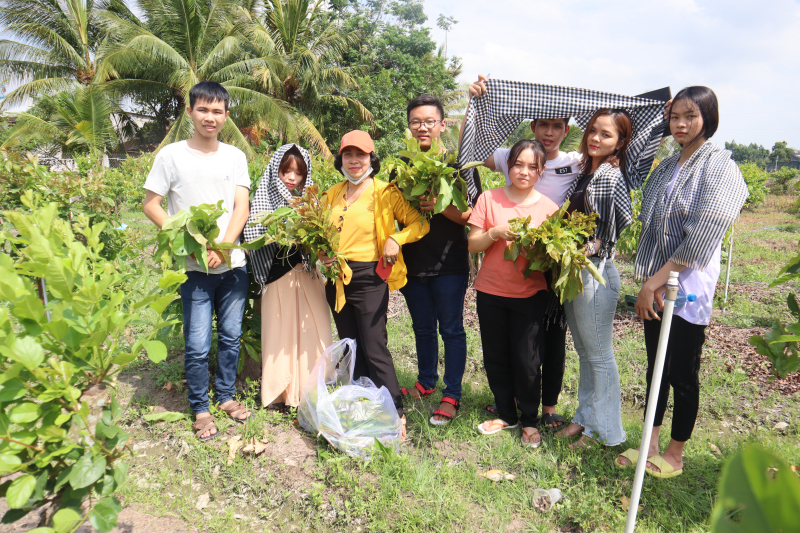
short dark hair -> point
(706, 101)
(424, 100)
(539, 153)
(566, 121)
(374, 162)
(293, 154)
(210, 91)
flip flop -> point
(666, 469)
(531, 444)
(551, 418)
(485, 432)
(490, 409)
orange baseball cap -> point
(358, 139)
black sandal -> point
(551, 418)
(491, 409)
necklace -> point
(355, 198)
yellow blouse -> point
(358, 240)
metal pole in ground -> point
(728, 268)
(652, 400)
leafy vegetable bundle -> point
(307, 224)
(191, 232)
(430, 173)
(557, 244)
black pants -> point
(681, 371)
(511, 334)
(554, 356)
(363, 318)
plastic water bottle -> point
(682, 298)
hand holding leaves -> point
(191, 234)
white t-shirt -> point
(188, 179)
(558, 175)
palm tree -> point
(54, 46)
(295, 50)
(177, 44)
(79, 120)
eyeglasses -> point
(417, 124)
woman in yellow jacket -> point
(364, 211)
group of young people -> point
(689, 202)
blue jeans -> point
(591, 321)
(432, 299)
(203, 295)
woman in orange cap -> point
(364, 211)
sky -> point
(746, 51)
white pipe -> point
(728, 268)
(652, 400)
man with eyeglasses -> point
(438, 274)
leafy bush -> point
(58, 427)
(780, 343)
(74, 194)
(324, 174)
(628, 243)
(126, 183)
(782, 178)
(756, 180)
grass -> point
(300, 484)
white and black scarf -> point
(687, 227)
(491, 118)
(271, 195)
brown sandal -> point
(234, 410)
(201, 425)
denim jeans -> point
(591, 321)
(439, 299)
(203, 295)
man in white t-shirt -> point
(202, 170)
(560, 171)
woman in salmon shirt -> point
(511, 306)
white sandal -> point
(483, 431)
(529, 443)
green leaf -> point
(104, 515)
(12, 390)
(170, 279)
(87, 470)
(28, 352)
(175, 221)
(162, 302)
(12, 515)
(156, 350)
(9, 463)
(42, 530)
(166, 416)
(123, 358)
(24, 413)
(764, 502)
(65, 520)
(20, 490)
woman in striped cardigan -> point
(689, 202)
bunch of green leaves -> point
(556, 245)
(758, 493)
(628, 243)
(192, 233)
(432, 174)
(780, 342)
(306, 223)
(66, 451)
(74, 194)
(756, 179)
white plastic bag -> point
(349, 414)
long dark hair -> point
(622, 121)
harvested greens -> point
(430, 173)
(557, 244)
(307, 224)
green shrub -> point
(756, 180)
(58, 422)
(628, 242)
(782, 178)
(126, 183)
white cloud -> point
(747, 54)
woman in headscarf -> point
(295, 321)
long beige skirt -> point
(295, 330)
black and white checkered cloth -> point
(687, 227)
(491, 118)
(271, 195)
(608, 196)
